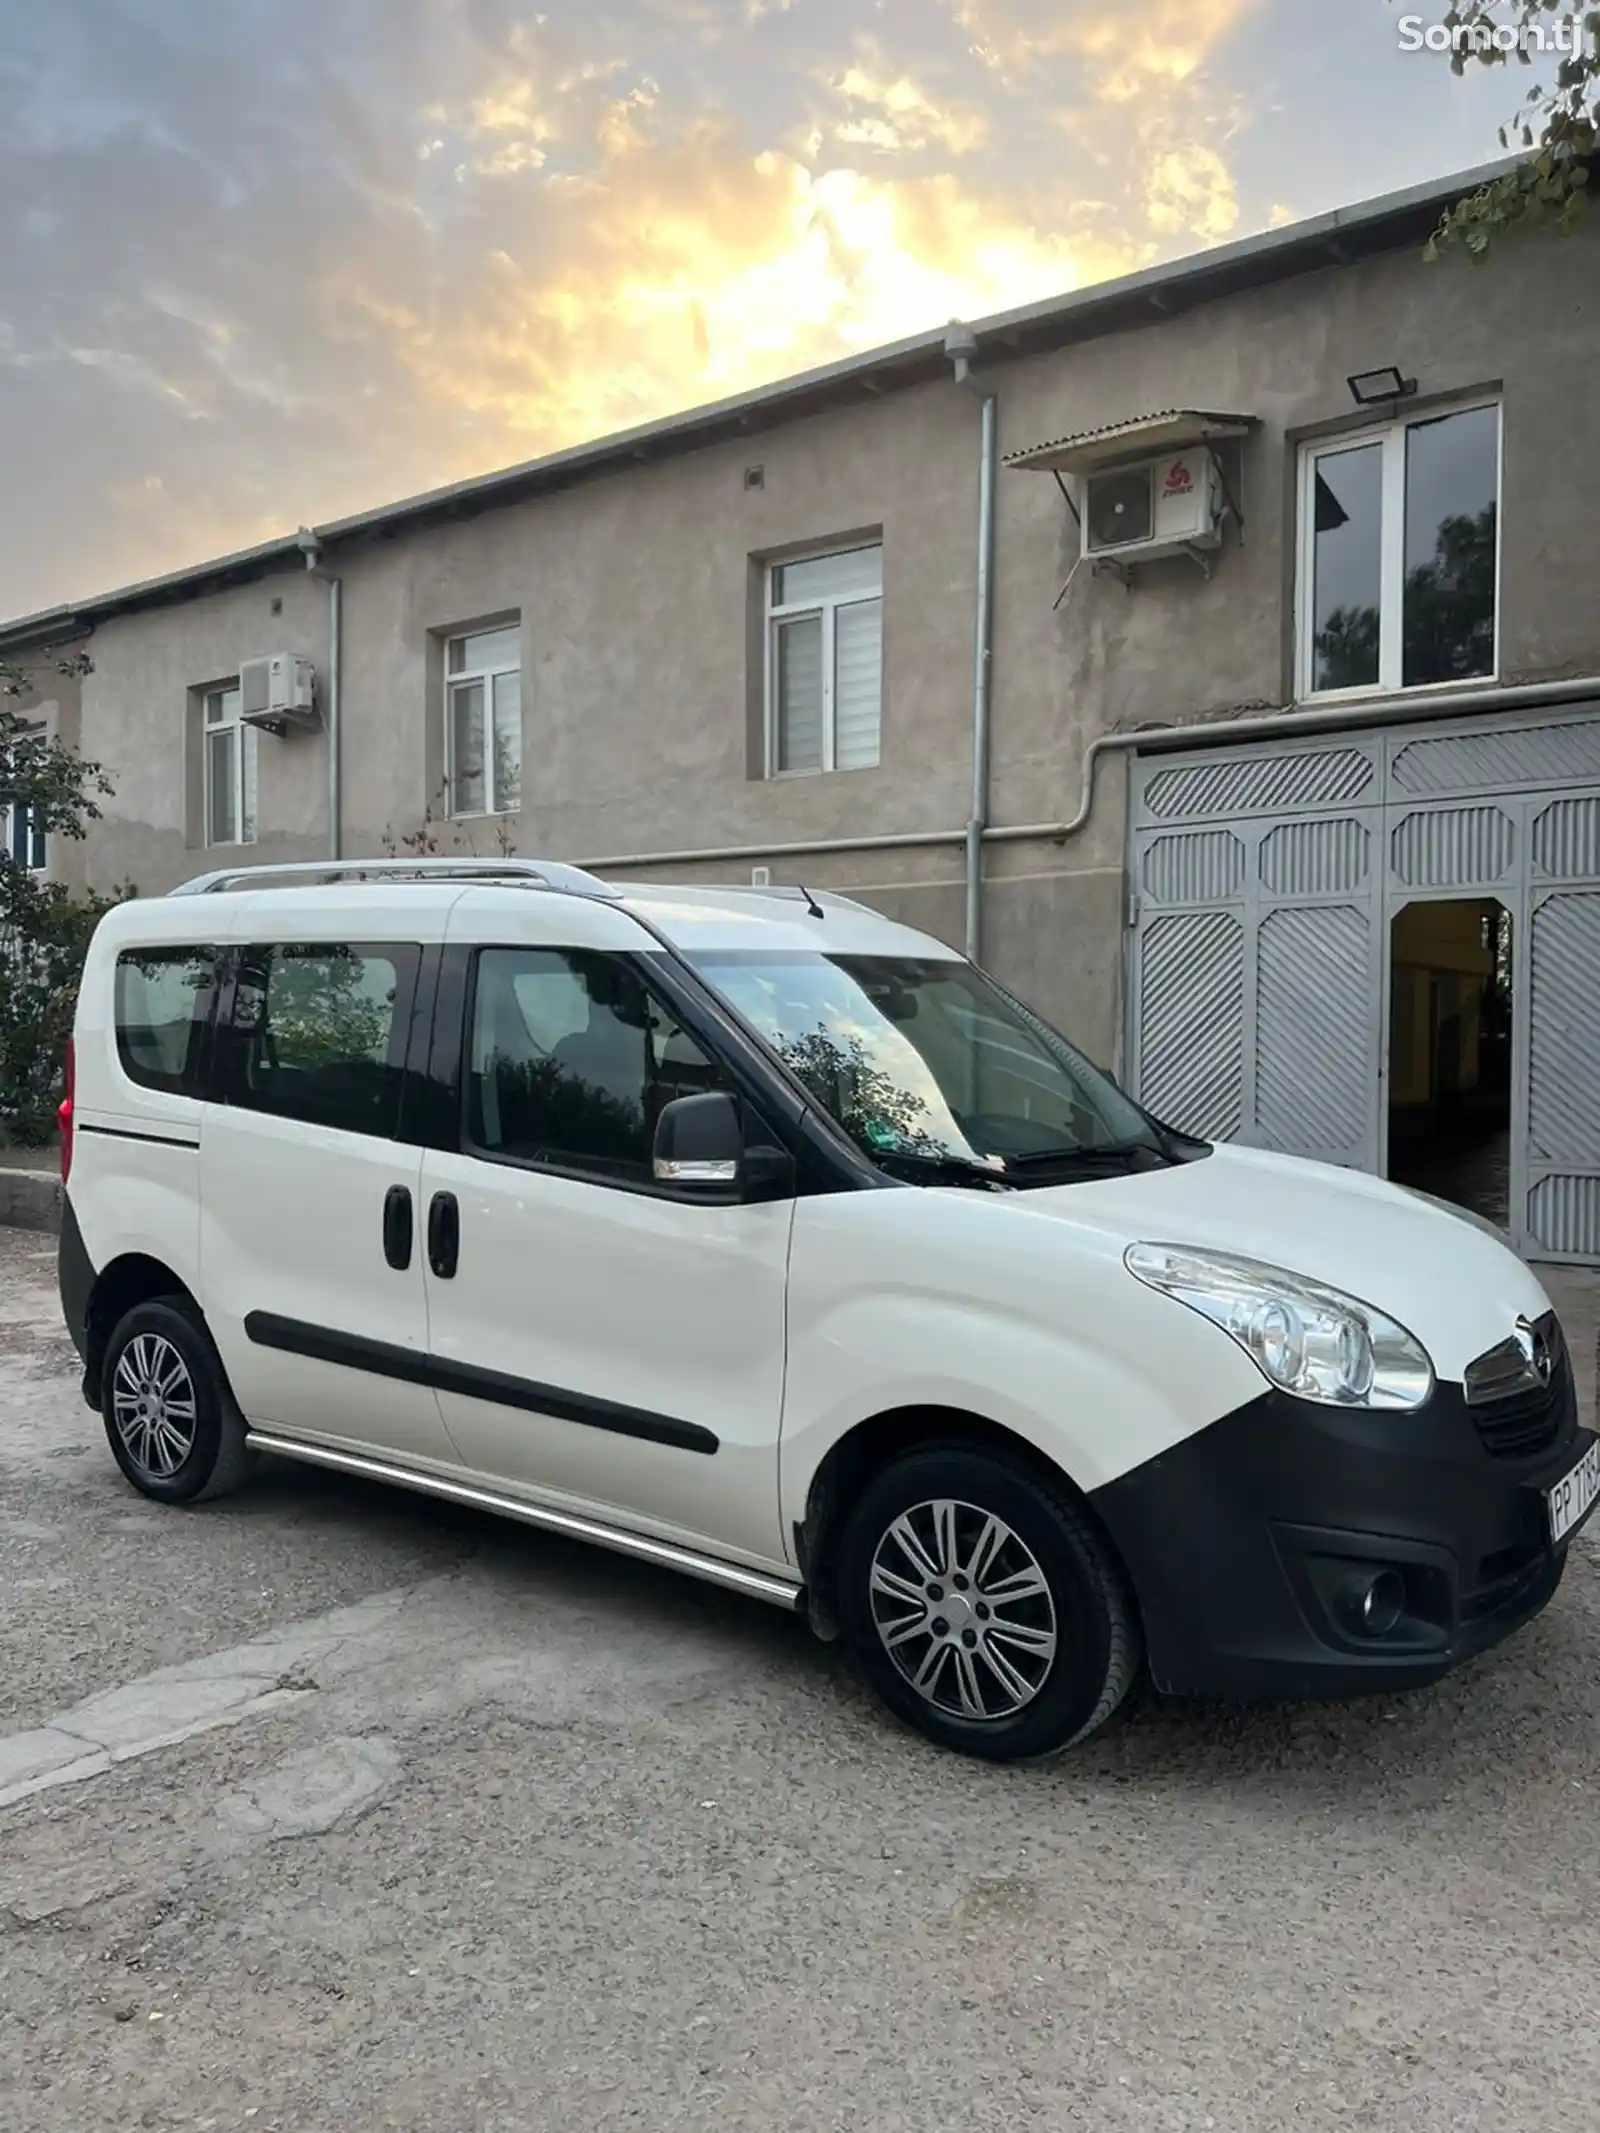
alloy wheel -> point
(153, 1404)
(963, 1610)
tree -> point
(1347, 649)
(1449, 603)
(874, 1109)
(49, 790)
(1558, 125)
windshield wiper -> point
(951, 1169)
(1121, 1154)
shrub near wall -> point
(48, 791)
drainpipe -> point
(312, 549)
(960, 345)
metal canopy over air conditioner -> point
(1145, 488)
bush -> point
(44, 932)
(44, 936)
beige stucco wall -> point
(634, 590)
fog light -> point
(1381, 1603)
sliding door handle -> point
(444, 1234)
(397, 1227)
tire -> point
(1046, 1667)
(170, 1419)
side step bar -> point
(758, 1584)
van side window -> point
(572, 1059)
(163, 1009)
(319, 1033)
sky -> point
(268, 262)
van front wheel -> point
(984, 1604)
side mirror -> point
(700, 1147)
(700, 1141)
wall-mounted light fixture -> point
(1368, 388)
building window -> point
(825, 662)
(483, 722)
(25, 837)
(22, 831)
(1400, 553)
(230, 769)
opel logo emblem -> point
(1535, 1349)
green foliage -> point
(44, 932)
(1448, 617)
(1557, 128)
(1449, 613)
(1347, 649)
(322, 1010)
(874, 1109)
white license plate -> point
(1574, 1493)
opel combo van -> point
(753, 1234)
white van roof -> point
(710, 919)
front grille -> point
(1526, 1423)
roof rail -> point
(541, 873)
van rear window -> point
(163, 1008)
(319, 1033)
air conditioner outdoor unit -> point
(1158, 507)
(278, 691)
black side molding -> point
(121, 1133)
(349, 1351)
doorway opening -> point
(1450, 1001)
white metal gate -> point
(1264, 880)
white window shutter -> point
(858, 684)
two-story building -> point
(1164, 644)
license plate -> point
(1574, 1494)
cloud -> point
(283, 260)
(895, 114)
(684, 268)
(1123, 50)
(1190, 192)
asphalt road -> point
(472, 1829)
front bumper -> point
(1249, 1543)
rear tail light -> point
(64, 1119)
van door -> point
(597, 1339)
(310, 1248)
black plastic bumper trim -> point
(350, 1351)
(1242, 1541)
(75, 1277)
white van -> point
(751, 1233)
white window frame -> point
(800, 611)
(1392, 557)
(245, 745)
(486, 676)
(8, 821)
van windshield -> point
(929, 1066)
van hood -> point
(1457, 1286)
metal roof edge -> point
(1279, 249)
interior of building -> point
(1450, 1052)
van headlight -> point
(1306, 1339)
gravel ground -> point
(538, 1838)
